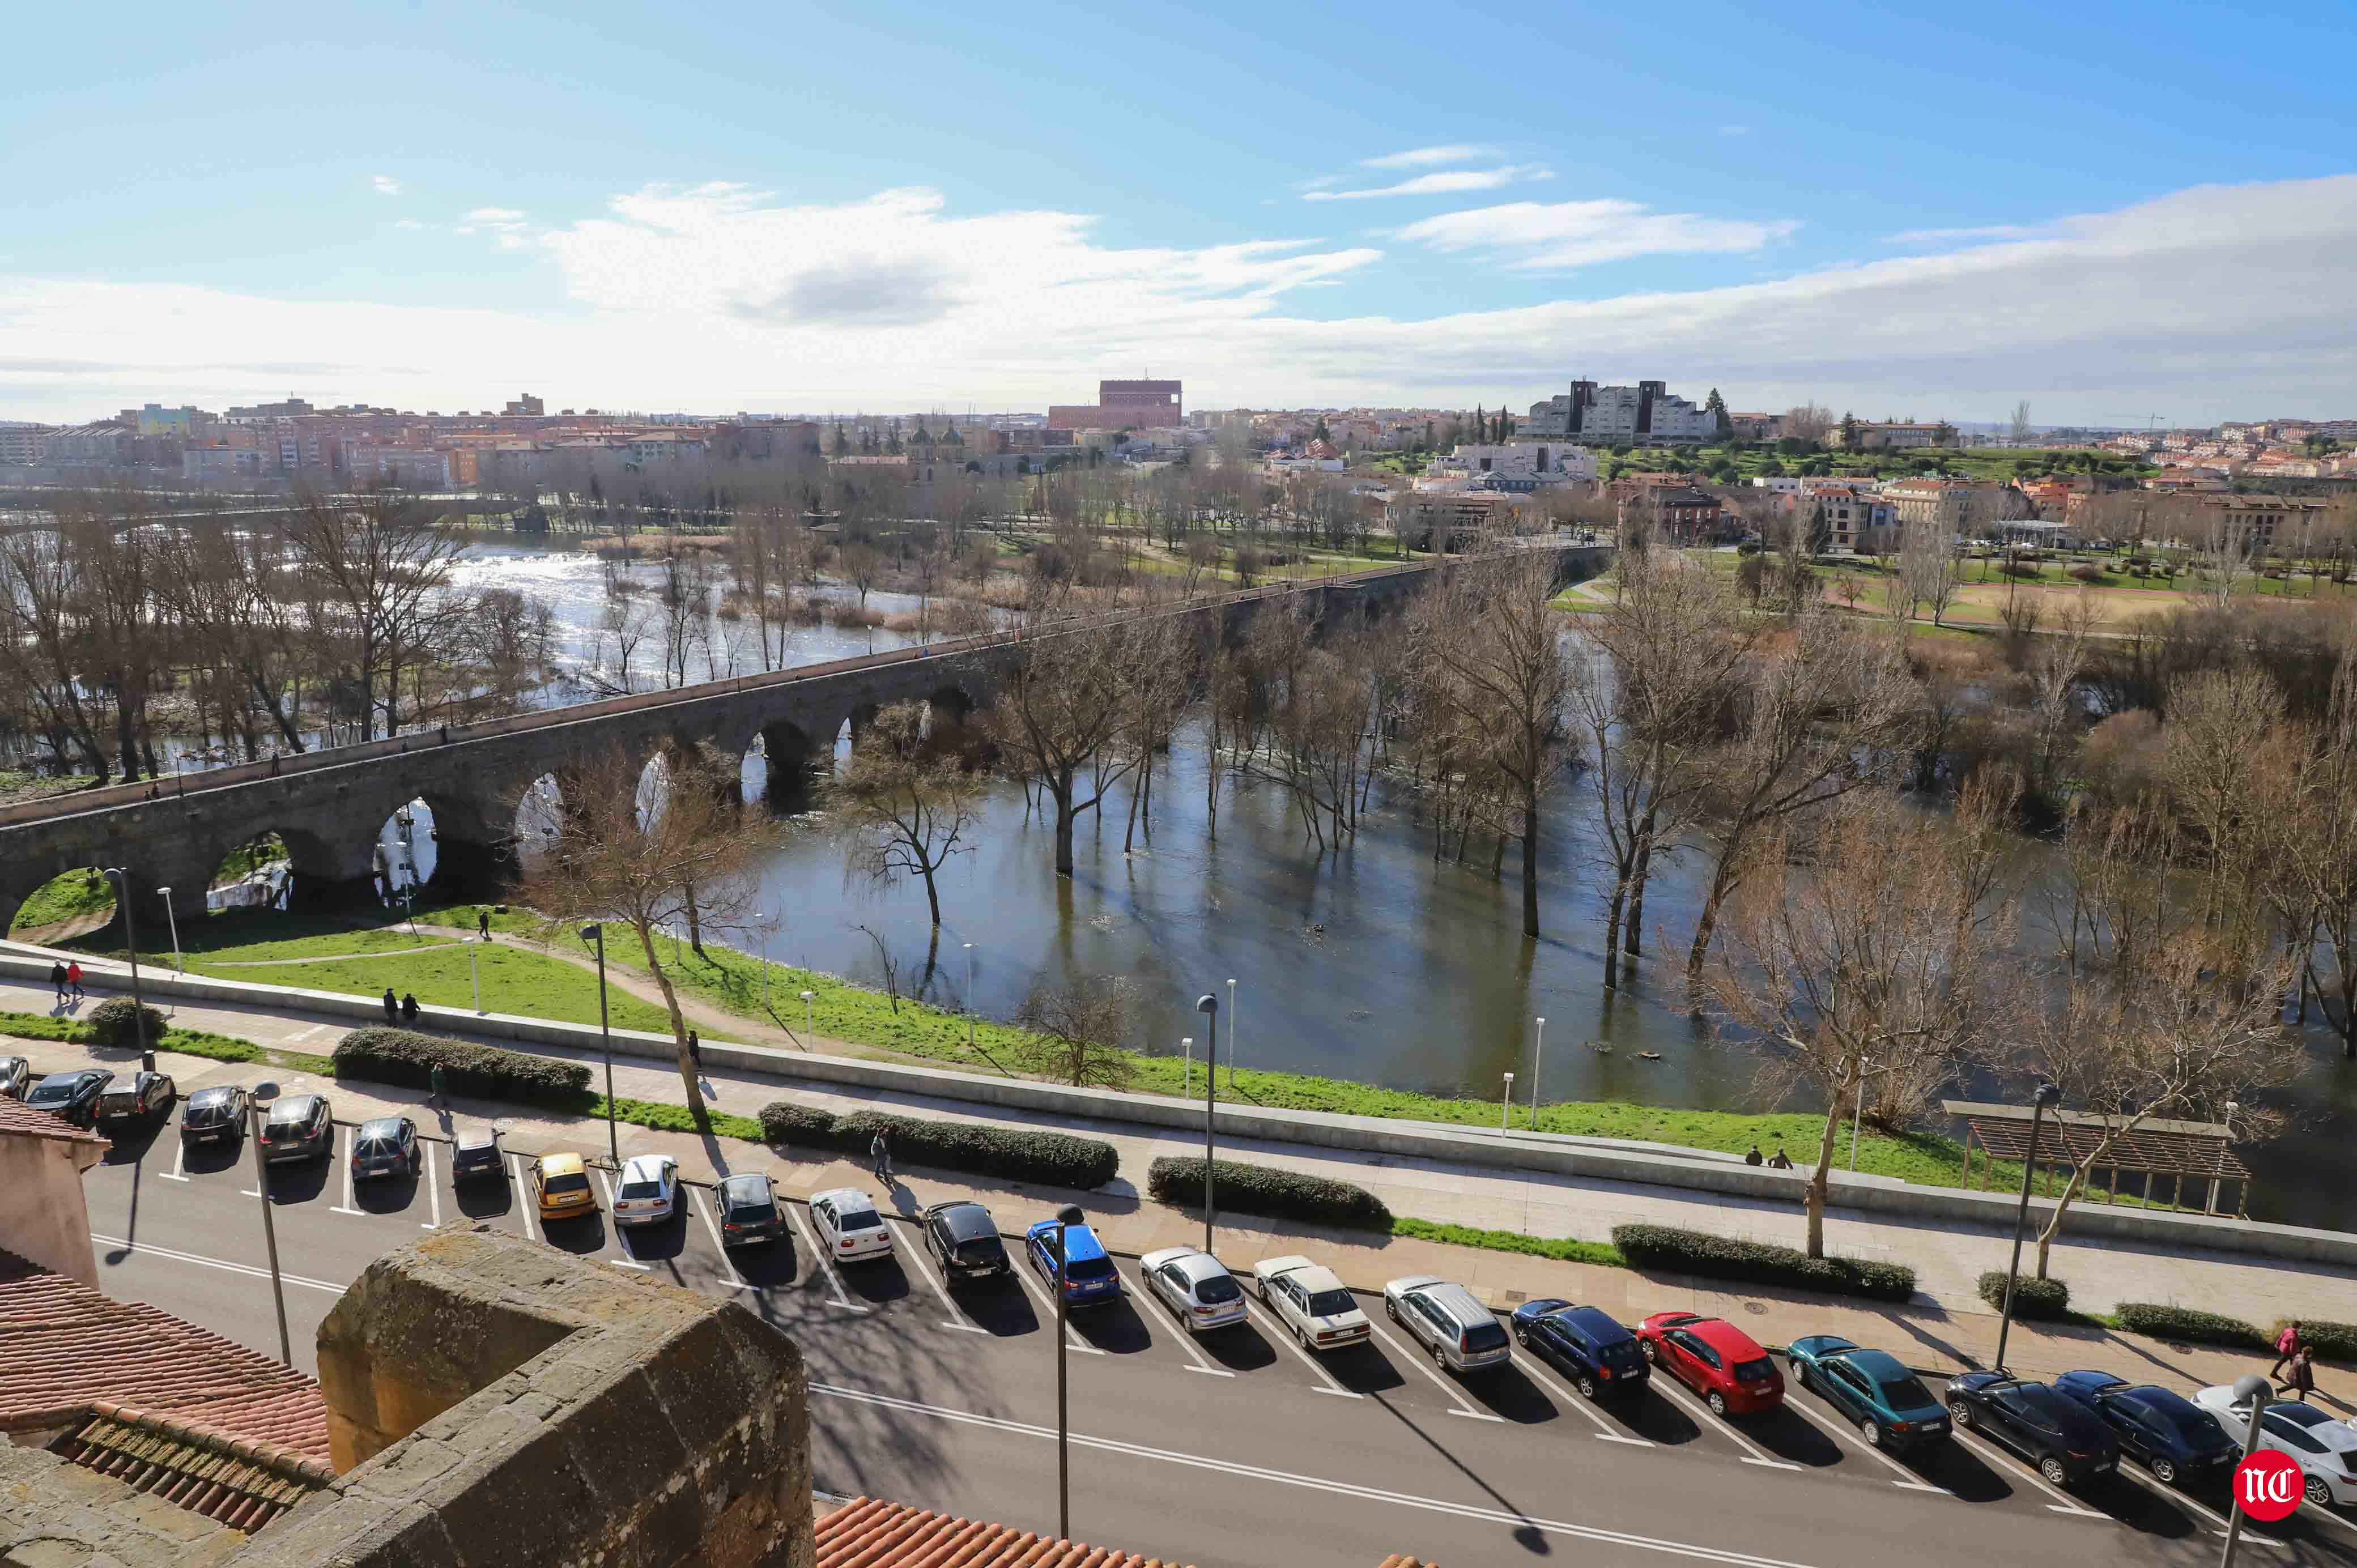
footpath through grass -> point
(65, 896)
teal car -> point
(1873, 1388)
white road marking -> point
(1841, 1433)
(1279, 1332)
(432, 1186)
(1665, 1383)
(2170, 1494)
(622, 1237)
(523, 1200)
(826, 1264)
(1313, 1483)
(1040, 1293)
(734, 1280)
(1991, 1453)
(912, 1252)
(180, 1163)
(1185, 1340)
(1418, 1362)
(347, 1207)
(143, 1249)
(308, 1034)
(1533, 1367)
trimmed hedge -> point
(1178, 1179)
(117, 1021)
(2333, 1341)
(2166, 1322)
(2031, 1298)
(1757, 1263)
(406, 1057)
(1019, 1153)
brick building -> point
(1120, 405)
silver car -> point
(1449, 1321)
(1195, 1286)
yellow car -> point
(561, 1186)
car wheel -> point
(2051, 1468)
(1716, 1400)
(1871, 1429)
(1961, 1412)
(1522, 1337)
(1391, 1311)
(2318, 1492)
(1652, 1354)
(1301, 1334)
(2165, 1472)
(1801, 1376)
(1439, 1357)
(1587, 1386)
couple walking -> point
(66, 978)
(2292, 1353)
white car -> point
(1317, 1306)
(2324, 1449)
(649, 1192)
(849, 1226)
(1195, 1286)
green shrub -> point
(1178, 1179)
(2166, 1322)
(2333, 1341)
(1757, 1263)
(406, 1057)
(2031, 1298)
(1563, 1249)
(783, 1122)
(118, 1022)
(1020, 1154)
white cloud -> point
(408, 224)
(2207, 301)
(1425, 157)
(498, 220)
(1920, 238)
(1532, 236)
(384, 185)
(1446, 183)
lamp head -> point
(1070, 1215)
(1207, 1005)
(2251, 1386)
(591, 932)
(2049, 1095)
(808, 994)
(166, 893)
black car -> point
(299, 1127)
(2067, 1443)
(15, 1077)
(748, 1210)
(147, 1098)
(386, 1147)
(964, 1239)
(72, 1095)
(1584, 1344)
(214, 1115)
(475, 1153)
(2166, 1432)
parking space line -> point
(524, 1209)
(1185, 1340)
(1438, 1381)
(1326, 1383)
(1666, 1384)
(2313, 1511)
(911, 1252)
(734, 1280)
(180, 1163)
(1991, 1453)
(621, 1237)
(1841, 1433)
(2172, 1494)
(1040, 1293)
(348, 1207)
(433, 1188)
(144, 1250)
(826, 1264)
(1534, 1368)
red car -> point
(1730, 1369)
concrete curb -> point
(1553, 1154)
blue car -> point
(1089, 1278)
(1873, 1388)
(1584, 1344)
(2166, 1432)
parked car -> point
(15, 1077)
(298, 1127)
(1449, 1322)
(475, 1153)
(649, 1193)
(964, 1239)
(560, 1186)
(1195, 1286)
(748, 1210)
(214, 1114)
(387, 1145)
(1584, 1344)
(1732, 1371)
(147, 1097)
(2325, 1449)
(1873, 1388)
(71, 1095)
(2166, 1432)
(1089, 1278)
(849, 1229)
(1312, 1301)
(2067, 1443)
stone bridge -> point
(329, 806)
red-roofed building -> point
(45, 1218)
(869, 1534)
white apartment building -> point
(1519, 466)
(1643, 416)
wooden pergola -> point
(2203, 1150)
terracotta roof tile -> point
(872, 1534)
(242, 1484)
(67, 1348)
(16, 1116)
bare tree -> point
(1927, 565)
(1064, 702)
(1084, 1024)
(909, 809)
(378, 571)
(2316, 851)
(2018, 428)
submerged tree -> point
(910, 807)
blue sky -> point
(2112, 210)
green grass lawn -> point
(64, 896)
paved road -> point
(1203, 1453)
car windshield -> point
(1903, 1393)
(44, 1091)
(575, 1182)
(2194, 1426)
(1089, 1269)
(1218, 1289)
(1485, 1336)
(381, 1130)
(642, 1188)
(761, 1212)
(980, 1247)
(859, 1219)
(373, 1148)
(1331, 1303)
(1757, 1371)
(287, 1111)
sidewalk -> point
(1947, 1328)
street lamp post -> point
(2047, 1095)
(263, 1094)
(1858, 1112)
(808, 1027)
(1187, 1044)
(2231, 1108)
(1231, 1038)
(1505, 1099)
(764, 960)
(131, 936)
(475, 979)
(596, 933)
(2256, 1390)
(1209, 1007)
(1066, 1217)
(969, 998)
(1538, 1063)
(174, 921)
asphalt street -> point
(1239, 1449)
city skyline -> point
(906, 212)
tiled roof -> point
(242, 1485)
(872, 1534)
(67, 1348)
(16, 1116)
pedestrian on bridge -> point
(409, 1007)
(392, 1007)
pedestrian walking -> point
(73, 978)
(483, 924)
(880, 1158)
(57, 981)
(2288, 1345)
(435, 1093)
(695, 1049)
(409, 1007)
(2303, 1375)
(392, 1007)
